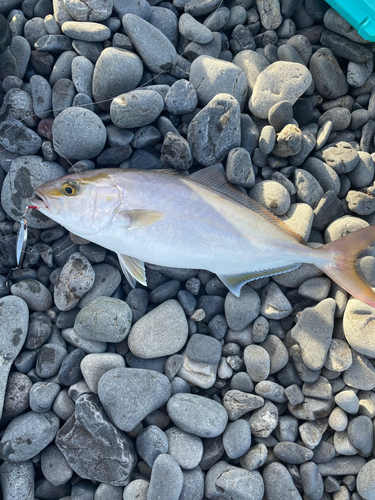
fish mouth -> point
(44, 204)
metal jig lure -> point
(22, 237)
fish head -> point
(83, 203)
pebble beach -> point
(180, 390)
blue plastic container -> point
(359, 13)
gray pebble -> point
(34, 293)
(107, 279)
(308, 188)
(86, 31)
(330, 81)
(197, 415)
(136, 490)
(292, 453)
(17, 480)
(340, 156)
(136, 109)
(176, 153)
(278, 483)
(211, 76)
(274, 304)
(76, 278)
(267, 139)
(241, 311)
(237, 439)
(78, 134)
(116, 71)
(255, 457)
(16, 138)
(151, 442)
(365, 481)
(49, 359)
(279, 82)
(42, 396)
(280, 115)
(16, 396)
(93, 366)
(93, 10)
(89, 346)
(161, 332)
(272, 195)
(363, 173)
(239, 168)
(233, 481)
(129, 395)
(360, 374)
(154, 48)
(210, 145)
(264, 420)
(104, 319)
(185, 448)
(166, 479)
(312, 481)
(28, 434)
(257, 362)
(181, 98)
(204, 349)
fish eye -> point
(69, 189)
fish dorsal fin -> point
(234, 282)
(133, 269)
(215, 177)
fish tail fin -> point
(342, 254)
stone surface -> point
(128, 395)
(104, 452)
(161, 332)
(104, 319)
(279, 82)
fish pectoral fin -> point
(214, 176)
(236, 281)
(141, 218)
(133, 269)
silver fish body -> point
(198, 221)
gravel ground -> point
(181, 391)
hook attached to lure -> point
(22, 237)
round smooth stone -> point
(185, 448)
(116, 71)
(93, 366)
(282, 81)
(136, 109)
(366, 481)
(272, 195)
(78, 134)
(161, 332)
(104, 319)
(197, 415)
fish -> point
(196, 221)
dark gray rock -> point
(341, 47)
(209, 143)
(78, 134)
(330, 81)
(155, 49)
(129, 395)
(94, 447)
(17, 479)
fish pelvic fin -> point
(341, 266)
(133, 269)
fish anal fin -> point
(141, 218)
(234, 282)
(215, 178)
(133, 269)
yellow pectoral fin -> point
(141, 218)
